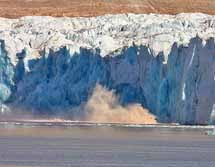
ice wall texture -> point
(177, 85)
(6, 75)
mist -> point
(104, 107)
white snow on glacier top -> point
(108, 32)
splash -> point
(104, 107)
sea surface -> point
(104, 146)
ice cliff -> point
(164, 62)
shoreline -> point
(68, 123)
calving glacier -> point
(166, 63)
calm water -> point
(105, 146)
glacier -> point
(166, 63)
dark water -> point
(105, 146)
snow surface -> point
(109, 33)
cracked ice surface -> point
(109, 33)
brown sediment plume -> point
(88, 8)
(104, 107)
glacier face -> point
(166, 63)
